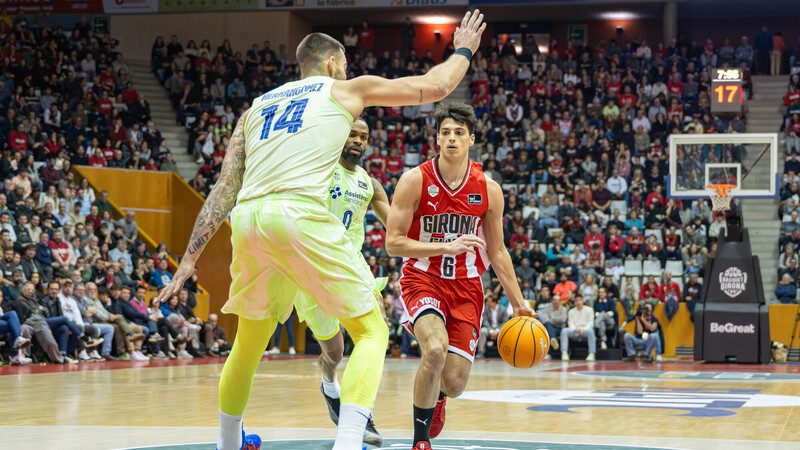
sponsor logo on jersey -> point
(335, 192)
(434, 205)
(450, 223)
(433, 190)
(472, 344)
(474, 333)
(425, 301)
(362, 185)
(697, 402)
(336, 176)
(732, 282)
(732, 328)
(475, 199)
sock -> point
(352, 423)
(442, 395)
(331, 388)
(230, 432)
(422, 423)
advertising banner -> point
(130, 6)
(15, 7)
(329, 4)
(207, 5)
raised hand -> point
(469, 33)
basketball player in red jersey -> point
(446, 221)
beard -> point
(351, 159)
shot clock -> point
(726, 91)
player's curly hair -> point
(460, 112)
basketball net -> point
(720, 196)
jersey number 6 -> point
(448, 267)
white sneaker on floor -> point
(273, 351)
(291, 351)
(95, 356)
(68, 360)
(20, 360)
(547, 357)
(659, 358)
(564, 356)
(603, 345)
(135, 356)
(590, 358)
(185, 354)
(143, 356)
(83, 356)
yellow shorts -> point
(323, 326)
(284, 244)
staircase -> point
(164, 116)
(761, 216)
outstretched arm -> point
(498, 254)
(380, 202)
(364, 91)
(215, 209)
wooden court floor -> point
(556, 405)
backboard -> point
(747, 160)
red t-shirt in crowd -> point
(394, 165)
(60, 251)
(378, 236)
(105, 106)
(18, 141)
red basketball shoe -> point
(422, 445)
(438, 418)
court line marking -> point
(729, 380)
(441, 439)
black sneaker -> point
(371, 435)
(333, 406)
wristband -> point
(465, 52)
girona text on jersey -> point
(450, 223)
(446, 213)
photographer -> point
(645, 335)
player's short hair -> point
(459, 112)
(316, 48)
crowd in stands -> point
(576, 137)
(73, 279)
(789, 240)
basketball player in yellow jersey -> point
(351, 192)
(276, 170)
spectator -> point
(786, 292)
(671, 292)
(581, 327)
(605, 309)
(646, 334)
(10, 326)
(691, 293)
(553, 315)
(651, 292)
(494, 317)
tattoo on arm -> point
(222, 198)
(420, 96)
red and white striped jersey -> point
(443, 215)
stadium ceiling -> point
(517, 12)
(537, 11)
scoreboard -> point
(726, 91)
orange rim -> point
(722, 189)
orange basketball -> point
(523, 342)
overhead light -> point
(619, 15)
(436, 20)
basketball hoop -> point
(720, 196)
